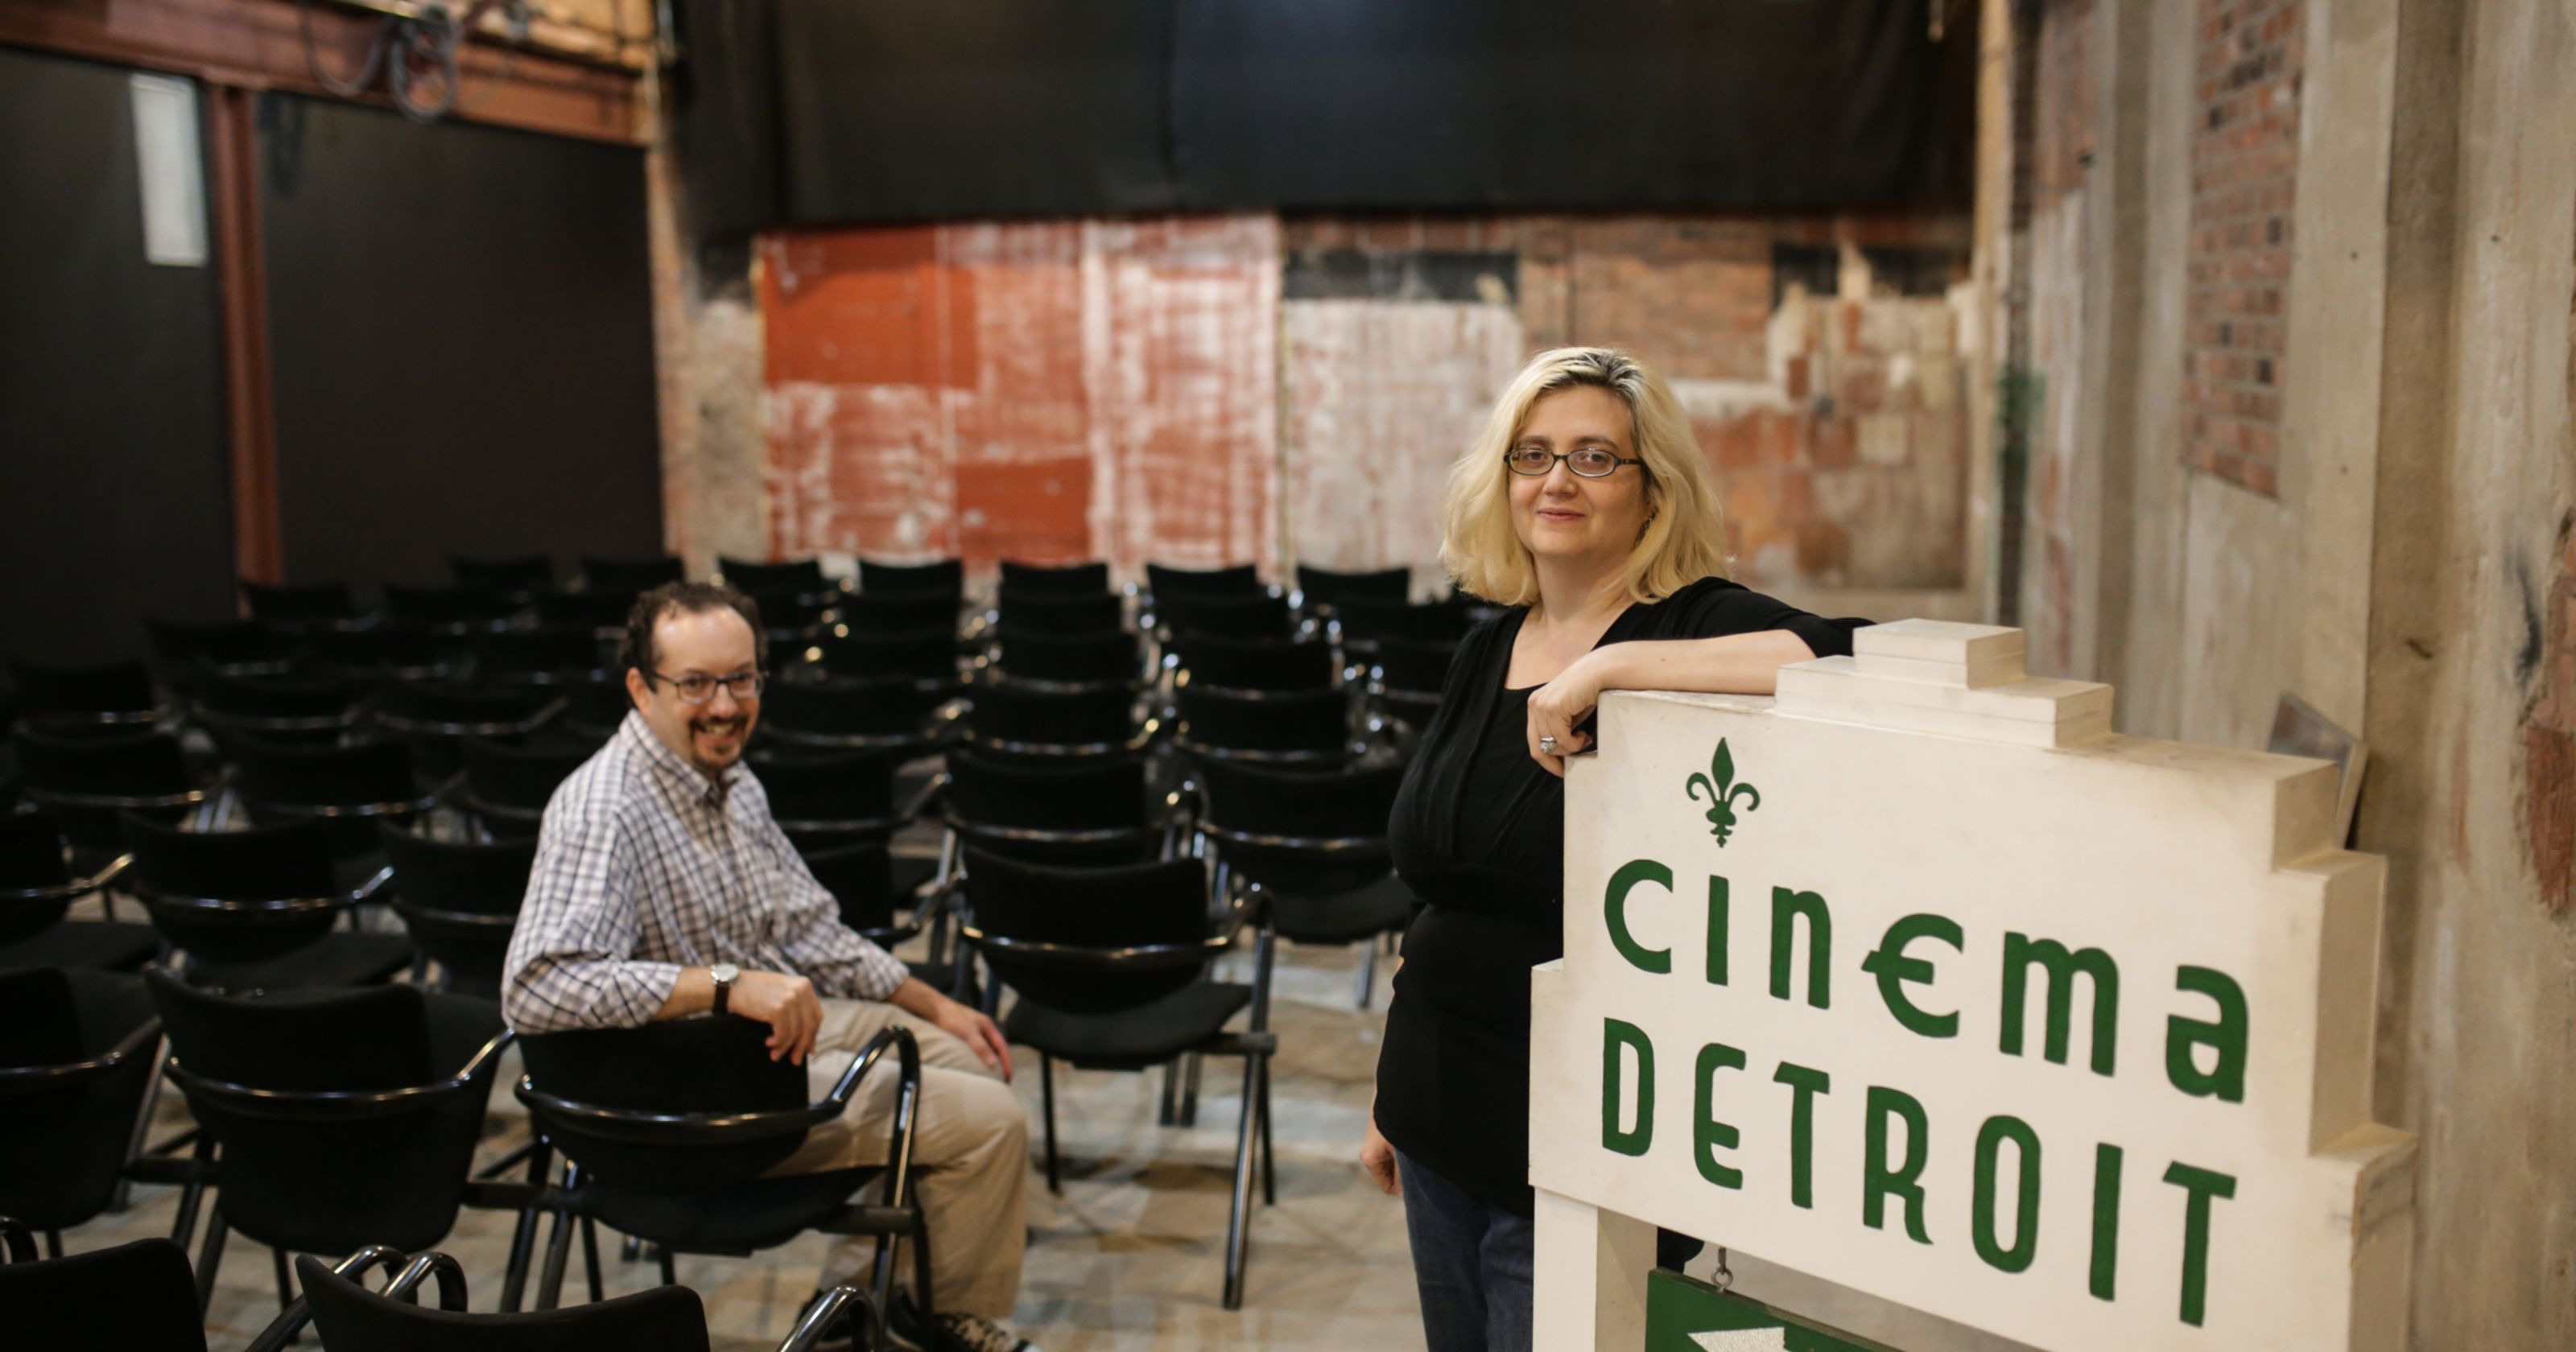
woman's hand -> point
(1378, 1157)
(1557, 706)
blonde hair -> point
(1684, 539)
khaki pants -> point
(970, 1157)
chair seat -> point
(1134, 1038)
(339, 958)
(96, 945)
(1344, 917)
(740, 1219)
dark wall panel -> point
(462, 331)
(114, 484)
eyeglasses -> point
(1592, 462)
(697, 689)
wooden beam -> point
(251, 415)
(259, 44)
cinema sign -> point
(1919, 980)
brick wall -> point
(2244, 168)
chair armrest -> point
(367, 890)
(930, 793)
(115, 869)
(451, 1280)
(908, 1065)
(488, 1053)
(290, 1321)
(833, 1306)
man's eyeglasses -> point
(698, 689)
(1592, 462)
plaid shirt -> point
(645, 866)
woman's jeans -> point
(1471, 1263)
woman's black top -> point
(1478, 832)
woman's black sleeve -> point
(1714, 611)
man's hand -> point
(962, 1022)
(1378, 1157)
(787, 1004)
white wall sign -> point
(1919, 980)
(170, 163)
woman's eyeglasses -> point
(1591, 462)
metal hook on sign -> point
(1725, 1276)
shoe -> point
(951, 1332)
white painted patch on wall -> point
(169, 161)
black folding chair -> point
(76, 1059)
(1111, 657)
(1319, 590)
(668, 1132)
(111, 698)
(338, 1118)
(898, 717)
(256, 909)
(1090, 811)
(927, 657)
(1405, 677)
(1258, 615)
(1070, 579)
(1110, 968)
(278, 708)
(1286, 728)
(1162, 581)
(1050, 612)
(452, 611)
(790, 617)
(898, 612)
(1256, 664)
(552, 654)
(84, 783)
(1314, 844)
(435, 718)
(135, 1297)
(665, 1319)
(507, 784)
(1359, 622)
(629, 577)
(601, 612)
(803, 577)
(868, 882)
(305, 608)
(511, 577)
(945, 577)
(827, 797)
(233, 647)
(460, 900)
(347, 788)
(393, 650)
(1025, 723)
(37, 888)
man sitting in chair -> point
(664, 888)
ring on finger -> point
(1547, 746)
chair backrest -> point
(801, 576)
(126, 765)
(1063, 718)
(787, 613)
(298, 1174)
(261, 699)
(223, 643)
(593, 610)
(1348, 806)
(943, 577)
(716, 1064)
(919, 654)
(1096, 793)
(826, 787)
(113, 688)
(346, 1314)
(375, 773)
(403, 649)
(887, 613)
(1100, 910)
(1327, 587)
(1258, 615)
(1311, 723)
(1165, 582)
(627, 577)
(137, 1297)
(288, 861)
(1366, 619)
(535, 572)
(1413, 665)
(1068, 579)
(31, 859)
(443, 889)
(545, 653)
(835, 709)
(860, 877)
(1107, 657)
(1256, 663)
(1054, 612)
(319, 601)
(63, 1147)
(462, 605)
(521, 777)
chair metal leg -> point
(1046, 1095)
(53, 1243)
(285, 1283)
(1171, 1093)
(209, 1257)
(558, 1245)
(1236, 1220)
(590, 1257)
(670, 1269)
(523, 1236)
(1368, 972)
(1269, 1166)
(1190, 1092)
(143, 1128)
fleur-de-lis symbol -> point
(1719, 788)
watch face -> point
(724, 971)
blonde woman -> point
(1585, 507)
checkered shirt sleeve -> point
(570, 962)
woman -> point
(1584, 505)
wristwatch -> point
(724, 974)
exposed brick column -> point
(2244, 171)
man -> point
(663, 888)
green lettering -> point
(2199, 1185)
(1615, 912)
(1804, 1086)
(1810, 907)
(1893, 969)
(2106, 1220)
(2021, 953)
(1981, 1222)
(1634, 1141)
(2225, 1080)
(1716, 930)
(1879, 1181)
(1708, 1134)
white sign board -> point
(1919, 980)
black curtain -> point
(847, 110)
(462, 332)
(115, 499)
